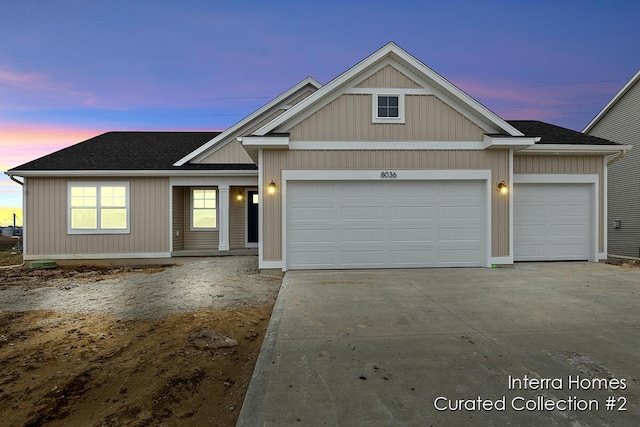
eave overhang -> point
(130, 173)
(511, 142)
(574, 149)
(253, 143)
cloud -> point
(40, 85)
(21, 143)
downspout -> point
(14, 179)
(618, 157)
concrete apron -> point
(439, 346)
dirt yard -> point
(131, 346)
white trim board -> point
(125, 255)
(135, 173)
(238, 126)
(375, 175)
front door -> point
(252, 216)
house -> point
(619, 120)
(389, 165)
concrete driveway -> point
(535, 345)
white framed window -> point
(204, 209)
(387, 108)
(98, 207)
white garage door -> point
(390, 224)
(551, 222)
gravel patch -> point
(214, 283)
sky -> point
(70, 70)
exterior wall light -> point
(240, 196)
(272, 188)
(503, 188)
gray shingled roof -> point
(552, 134)
(130, 151)
(160, 150)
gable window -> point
(204, 209)
(388, 108)
(98, 208)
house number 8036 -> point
(388, 174)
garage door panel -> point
(375, 224)
(460, 234)
(361, 235)
(410, 235)
(410, 212)
(459, 212)
(552, 222)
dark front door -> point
(252, 216)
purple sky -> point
(73, 69)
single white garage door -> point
(390, 224)
(551, 222)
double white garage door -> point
(385, 224)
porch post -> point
(223, 218)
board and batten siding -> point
(388, 77)
(348, 118)
(237, 213)
(565, 164)
(196, 240)
(47, 213)
(233, 152)
(178, 218)
(275, 161)
(622, 124)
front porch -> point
(214, 216)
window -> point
(388, 108)
(203, 209)
(98, 208)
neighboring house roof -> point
(613, 102)
(114, 151)
(552, 134)
(415, 66)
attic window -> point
(388, 108)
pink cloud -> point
(42, 84)
(20, 144)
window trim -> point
(191, 209)
(374, 108)
(99, 185)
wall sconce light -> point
(240, 196)
(503, 188)
(272, 187)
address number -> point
(388, 174)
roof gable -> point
(268, 111)
(635, 79)
(360, 76)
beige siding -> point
(622, 124)
(46, 209)
(230, 153)
(348, 118)
(178, 218)
(565, 165)
(237, 213)
(389, 77)
(233, 152)
(194, 240)
(275, 161)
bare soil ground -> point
(102, 366)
